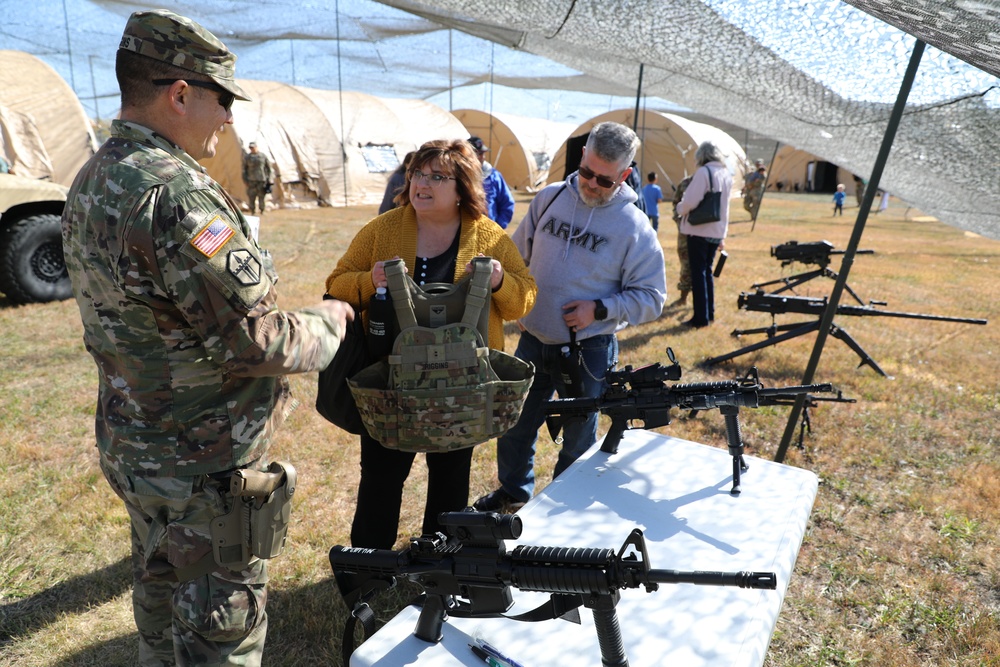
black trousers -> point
(380, 492)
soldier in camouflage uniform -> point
(179, 313)
(753, 188)
(257, 177)
(684, 282)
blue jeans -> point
(701, 254)
(516, 448)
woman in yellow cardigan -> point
(438, 227)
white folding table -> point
(677, 493)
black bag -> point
(709, 209)
(333, 396)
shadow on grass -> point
(117, 652)
(75, 595)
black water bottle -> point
(380, 320)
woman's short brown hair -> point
(460, 158)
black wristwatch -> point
(600, 310)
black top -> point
(440, 269)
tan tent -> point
(327, 148)
(521, 148)
(800, 171)
(668, 146)
(44, 132)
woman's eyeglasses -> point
(226, 98)
(603, 181)
(434, 180)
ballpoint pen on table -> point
(486, 657)
(503, 659)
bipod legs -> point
(866, 359)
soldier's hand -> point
(338, 312)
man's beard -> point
(599, 200)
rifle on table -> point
(640, 395)
(779, 305)
(816, 253)
(467, 572)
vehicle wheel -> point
(32, 267)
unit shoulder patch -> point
(244, 267)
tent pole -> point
(859, 227)
(767, 177)
(638, 96)
(340, 98)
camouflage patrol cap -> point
(181, 42)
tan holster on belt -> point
(256, 525)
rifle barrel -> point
(796, 389)
(758, 580)
(864, 310)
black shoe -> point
(498, 501)
(694, 325)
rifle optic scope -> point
(482, 526)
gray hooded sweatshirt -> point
(575, 251)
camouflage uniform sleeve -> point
(217, 279)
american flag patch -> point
(213, 237)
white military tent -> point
(521, 148)
(327, 148)
(668, 146)
(44, 132)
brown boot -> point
(682, 299)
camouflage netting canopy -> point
(820, 75)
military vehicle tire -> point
(32, 267)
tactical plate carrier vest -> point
(442, 388)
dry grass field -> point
(899, 566)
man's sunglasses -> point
(603, 181)
(226, 98)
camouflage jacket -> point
(256, 168)
(179, 312)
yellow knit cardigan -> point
(394, 234)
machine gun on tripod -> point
(779, 305)
(469, 573)
(816, 253)
(641, 395)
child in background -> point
(838, 200)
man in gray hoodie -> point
(599, 267)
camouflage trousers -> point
(684, 282)
(215, 619)
(256, 192)
(751, 201)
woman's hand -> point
(496, 277)
(378, 274)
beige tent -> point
(800, 171)
(521, 148)
(668, 146)
(44, 132)
(327, 148)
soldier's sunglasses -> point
(603, 181)
(226, 98)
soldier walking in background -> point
(753, 188)
(257, 177)
(181, 317)
(684, 266)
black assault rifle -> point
(469, 573)
(641, 395)
(815, 306)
